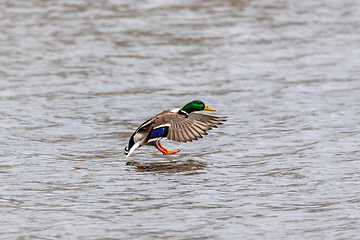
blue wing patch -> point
(159, 132)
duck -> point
(179, 124)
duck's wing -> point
(207, 119)
(184, 129)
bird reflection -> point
(173, 166)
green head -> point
(196, 106)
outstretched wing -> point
(184, 129)
(207, 119)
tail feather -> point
(130, 145)
(128, 151)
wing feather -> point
(189, 134)
(207, 119)
(184, 129)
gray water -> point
(78, 77)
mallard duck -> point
(180, 125)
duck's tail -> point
(128, 151)
(131, 146)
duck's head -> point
(196, 106)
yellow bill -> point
(209, 109)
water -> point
(77, 77)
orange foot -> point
(164, 150)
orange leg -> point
(164, 150)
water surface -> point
(78, 77)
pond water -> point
(78, 77)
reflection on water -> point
(77, 77)
(187, 166)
